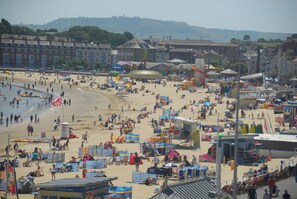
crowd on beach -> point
(112, 120)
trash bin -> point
(65, 130)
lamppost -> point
(236, 137)
(190, 51)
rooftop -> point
(137, 43)
(75, 182)
(196, 188)
(195, 43)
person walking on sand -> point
(286, 195)
(85, 137)
(267, 195)
(53, 172)
(31, 130)
(84, 172)
(137, 162)
(252, 194)
(28, 129)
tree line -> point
(77, 33)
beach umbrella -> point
(206, 103)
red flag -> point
(11, 185)
(57, 101)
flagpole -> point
(7, 162)
(62, 110)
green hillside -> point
(143, 28)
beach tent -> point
(172, 153)
(253, 128)
(132, 159)
(244, 129)
(259, 129)
(113, 73)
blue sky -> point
(259, 15)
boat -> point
(289, 132)
(44, 97)
(276, 145)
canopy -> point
(145, 75)
(252, 76)
(240, 122)
(122, 63)
(213, 73)
(176, 61)
(268, 91)
(228, 72)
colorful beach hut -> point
(259, 129)
(253, 128)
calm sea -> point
(23, 108)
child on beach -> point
(53, 172)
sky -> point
(258, 15)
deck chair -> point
(110, 160)
(125, 160)
(118, 160)
(28, 163)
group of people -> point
(30, 130)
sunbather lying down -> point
(150, 181)
(37, 173)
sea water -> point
(27, 105)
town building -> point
(137, 50)
(26, 51)
(190, 48)
(266, 56)
(284, 61)
(251, 60)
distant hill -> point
(143, 28)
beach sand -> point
(85, 99)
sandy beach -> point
(85, 98)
